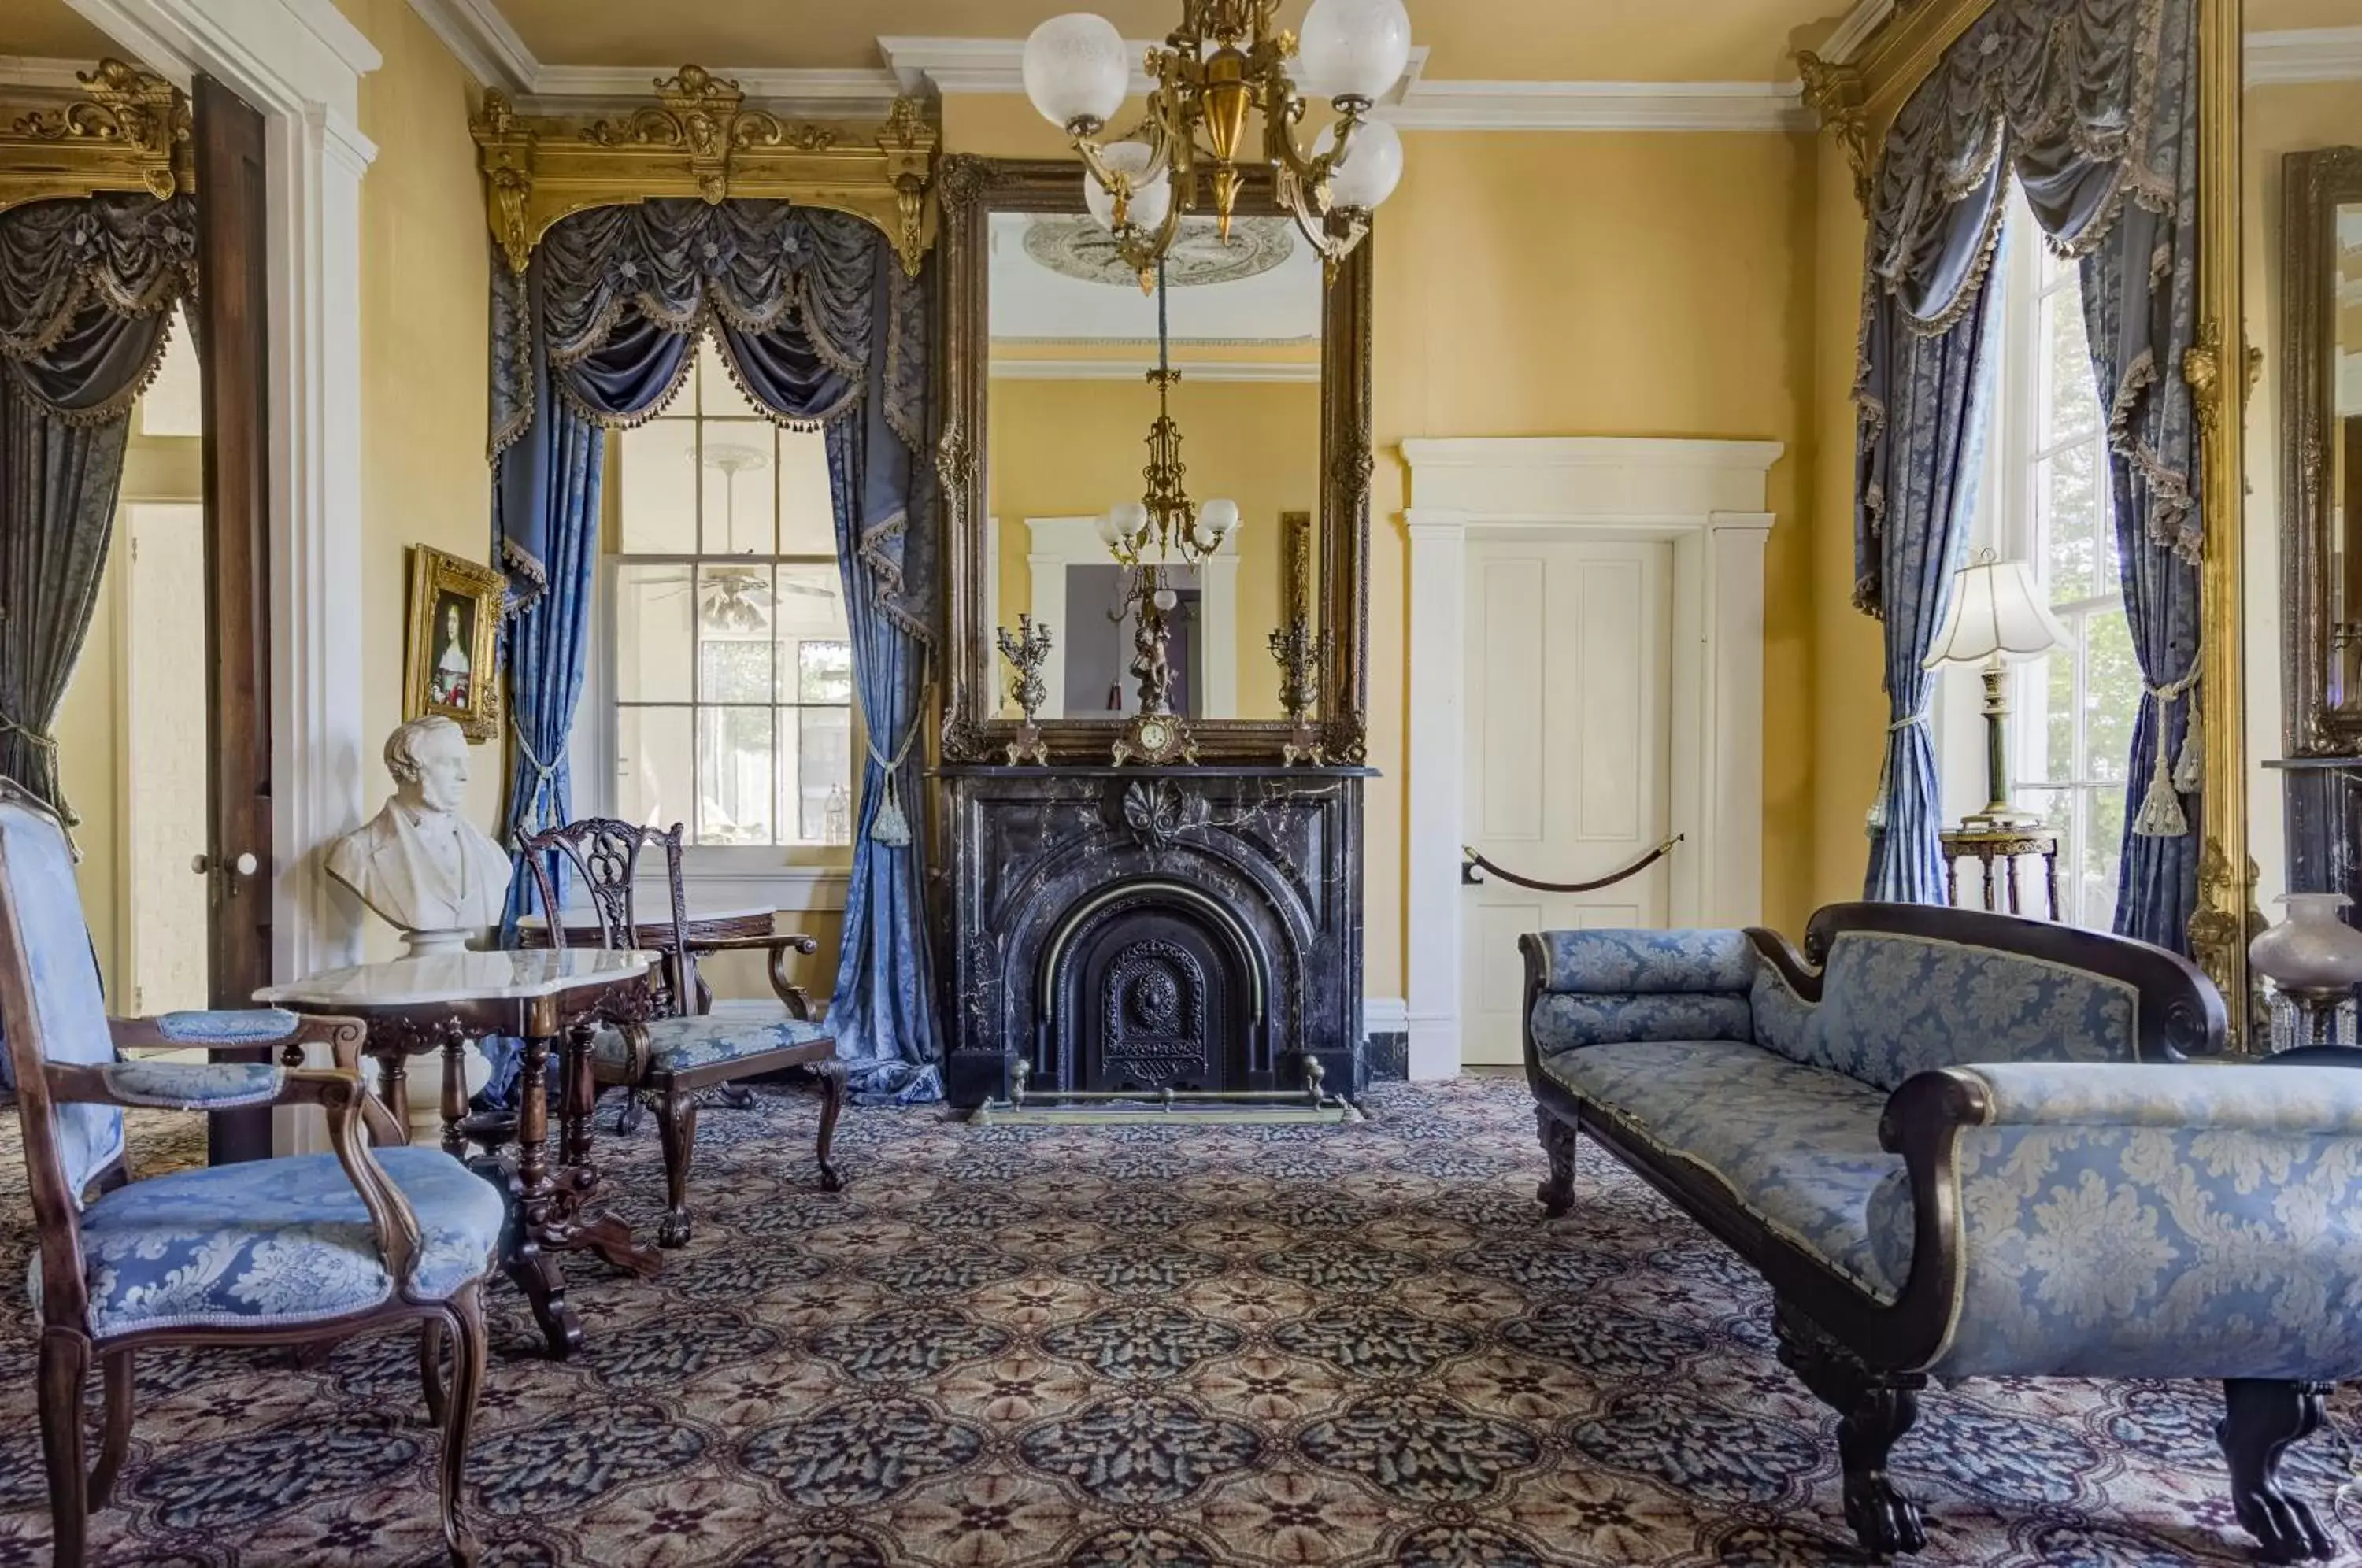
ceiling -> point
(1596, 40)
(46, 29)
(1566, 40)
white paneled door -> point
(1568, 694)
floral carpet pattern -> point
(1120, 1346)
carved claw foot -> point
(676, 1229)
(1884, 1521)
(831, 1179)
(1556, 1195)
(1875, 1408)
(2261, 1420)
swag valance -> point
(822, 326)
(810, 324)
(87, 288)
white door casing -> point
(1563, 779)
(1061, 542)
(1703, 498)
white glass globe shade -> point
(1166, 599)
(1107, 531)
(1219, 517)
(1150, 198)
(1352, 48)
(1076, 69)
(1373, 165)
(1131, 519)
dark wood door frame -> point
(233, 310)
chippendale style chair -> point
(673, 1056)
(308, 1249)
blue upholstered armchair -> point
(315, 1247)
(1959, 1146)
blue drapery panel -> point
(86, 292)
(2140, 306)
(1919, 492)
(2089, 105)
(818, 327)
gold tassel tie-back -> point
(55, 798)
(891, 828)
(2161, 815)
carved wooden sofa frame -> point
(1868, 1359)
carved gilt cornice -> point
(699, 138)
(1898, 56)
(1835, 93)
(125, 129)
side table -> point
(2005, 845)
(415, 1006)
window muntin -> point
(730, 655)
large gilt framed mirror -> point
(2322, 456)
(1048, 339)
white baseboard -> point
(1385, 1015)
(1434, 1048)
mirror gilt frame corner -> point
(970, 190)
(2321, 545)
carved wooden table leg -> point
(1951, 880)
(394, 1085)
(533, 1270)
(455, 1091)
(2015, 904)
(1984, 861)
(2050, 876)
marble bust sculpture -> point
(420, 864)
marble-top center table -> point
(546, 998)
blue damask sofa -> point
(1961, 1144)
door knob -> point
(244, 866)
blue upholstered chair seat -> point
(683, 1044)
(1796, 1145)
(275, 1241)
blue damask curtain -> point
(86, 293)
(819, 326)
(2089, 107)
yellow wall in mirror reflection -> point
(1073, 448)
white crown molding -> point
(997, 66)
(1865, 18)
(1443, 105)
(2317, 54)
(1206, 371)
(480, 39)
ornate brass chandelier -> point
(1224, 62)
(1165, 523)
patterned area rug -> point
(1299, 1345)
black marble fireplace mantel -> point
(1137, 928)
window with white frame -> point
(730, 667)
(2047, 501)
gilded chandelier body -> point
(1224, 64)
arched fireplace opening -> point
(1151, 984)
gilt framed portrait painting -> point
(454, 633)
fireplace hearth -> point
(1137, 929)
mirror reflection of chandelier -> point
(1224, 61)
(1165, 523)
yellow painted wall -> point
(1849, 699)
(1540, 284)
(1073, 448)
(2280, 119)
(425, 282)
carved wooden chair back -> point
(52, 1010)
(605, 854)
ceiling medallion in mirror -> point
(1076, 246)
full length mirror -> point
(1072, 340)
(2322, 452)
(1052, 411)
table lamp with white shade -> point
(1998, 618)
